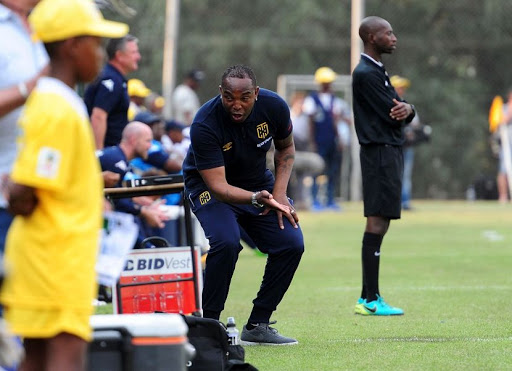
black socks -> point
(370, 257)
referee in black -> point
(379, 116)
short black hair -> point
(239, 71)
(117, 44)
(370, 25)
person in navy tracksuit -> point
(229, 185)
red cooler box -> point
(127, 342)
(160, 280)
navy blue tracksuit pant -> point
(283, 246)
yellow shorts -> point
(47, 323)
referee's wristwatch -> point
(254, 201)
(413, 109)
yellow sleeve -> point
(45, 147)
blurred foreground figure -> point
(53, 242)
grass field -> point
(447, 264)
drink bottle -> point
(233, 333)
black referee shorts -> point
(382, 168)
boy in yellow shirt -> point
(55, 191)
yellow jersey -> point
(51, 254)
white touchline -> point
(425, 288)
(422, 340)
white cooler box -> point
(129, 342)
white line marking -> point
(423, 340)
(426, 288)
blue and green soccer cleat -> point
(359, 309)
(376, 308)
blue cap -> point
(173, 125)
(147, 117)
(196, 75)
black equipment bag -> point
(210, 339)
(213, 352)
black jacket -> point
(372, 101)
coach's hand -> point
(292, 217)
(282, 207)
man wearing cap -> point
(107, 97)
(185, 102)
(325, 110)
(155, 103)
(138, 92)
(174, 141)
(53, 242)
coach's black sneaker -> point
(263, 334)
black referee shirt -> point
(373, 97)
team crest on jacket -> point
(262, 130)
(227, 146)
(204, 197)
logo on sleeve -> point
(204, 197)
(121, 164)
(227, 146)
(262, 130)
(48, 161)
(109, 84)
